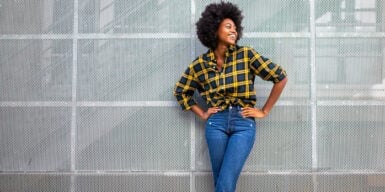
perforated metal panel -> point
(351, 137)
(351, 182)
(134, 16)
(260, 183)
(35, 139)
(86, 98)
(132, 138)
(270, 16)
(28, 17)
(35, 70)
(35, 182)
(349, 16)
(133, 182)
(123, 70)
(350, 68)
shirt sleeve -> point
(184, 89)
(265, 68)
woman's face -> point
(227, 33)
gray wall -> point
(86, 96)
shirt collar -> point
(211, 55)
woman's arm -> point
(273, 98)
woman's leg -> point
(239, 145)
(217, 138)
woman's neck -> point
(220, 51)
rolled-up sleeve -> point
(265, 68)
(184, 89)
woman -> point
(224, 77)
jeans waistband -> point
(234, 107)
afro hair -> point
(211, 18)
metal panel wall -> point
(86, 96)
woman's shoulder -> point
(203, 57)
(200, 62)
(249, 50)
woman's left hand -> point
(253, 112)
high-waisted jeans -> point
(230, 138)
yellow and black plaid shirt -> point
(233, 85)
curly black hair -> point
(211, 18)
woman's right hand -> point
(204, 115)
(209, 112)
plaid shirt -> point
(233, 85)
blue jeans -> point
(230, 138)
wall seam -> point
(313, 96)
(74, 94)
(192, 125)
